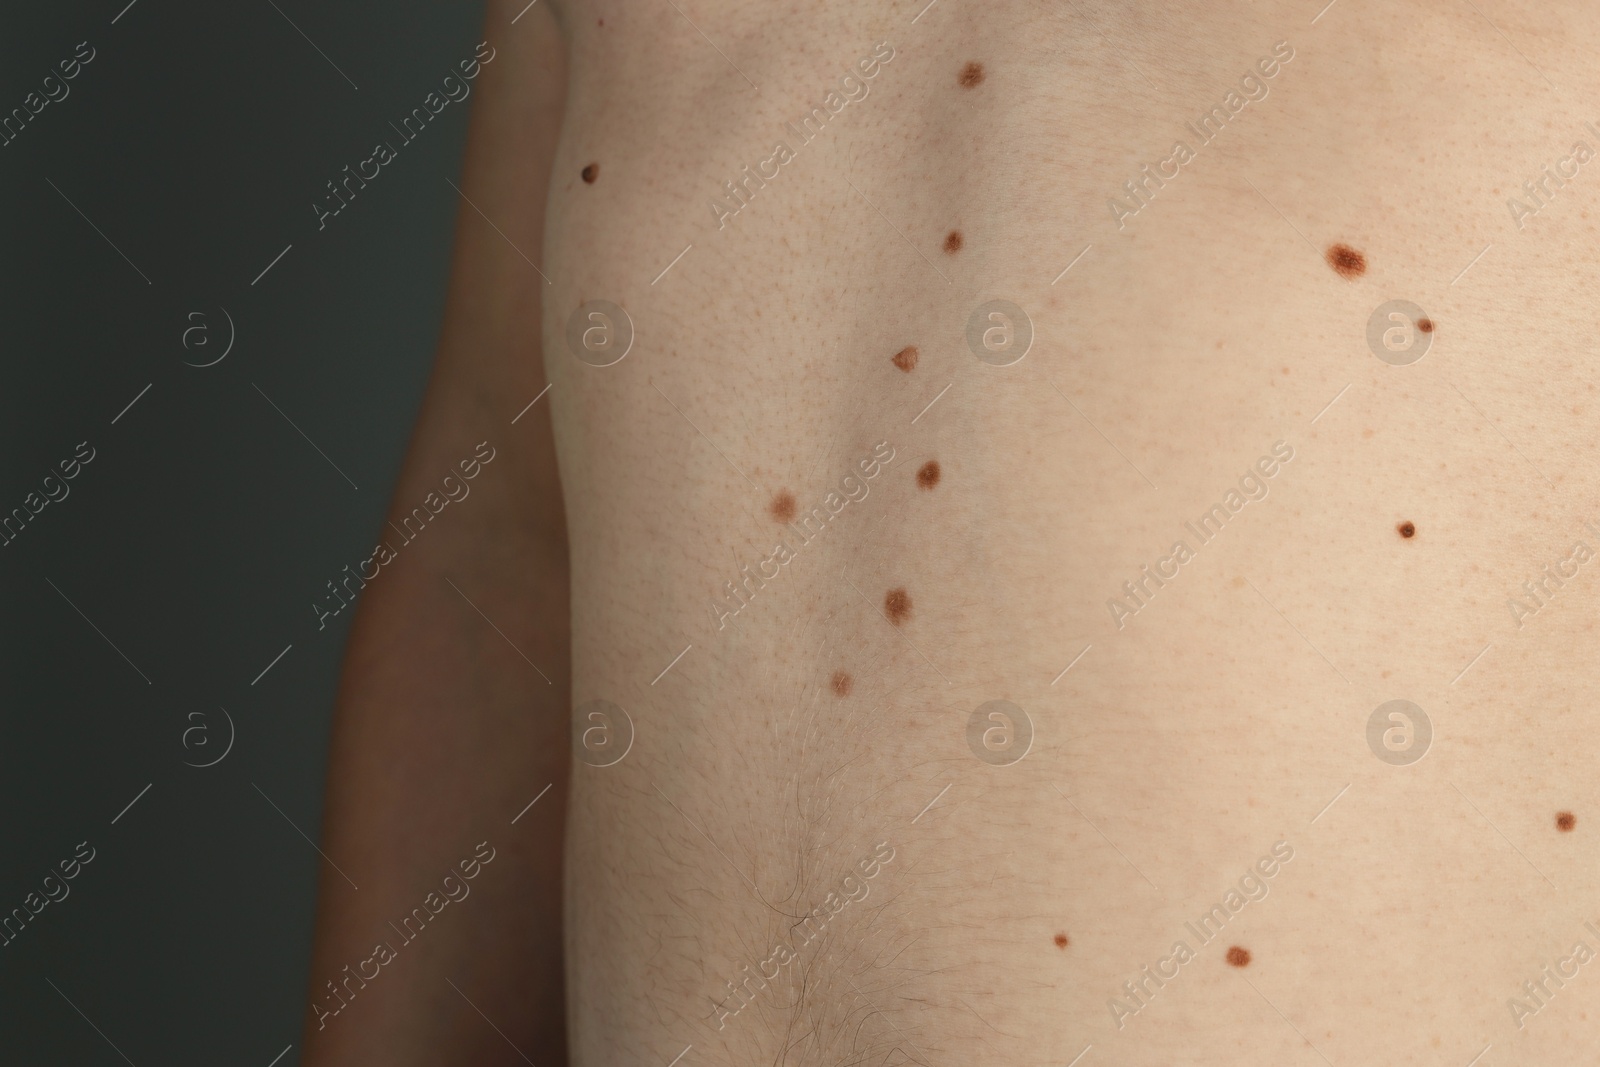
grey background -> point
(197, 140)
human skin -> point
(1216, 726)
(444, 730)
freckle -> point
(842, 683)
(1407, 529)
(928, 475)
(897, 605)
(1062, 941)
(782, 506)
(1346, 261)
(952, 242)
(906, 358)
(1238, 957)
(591, 172)
(1425, 325)
(971, 75)
(1566, 821)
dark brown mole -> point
(1346, 261)
(928, 474)
(952, 242)
(1425, 325)
(842, 683)
(1565, 821)
(1238, 957)
(971, 75)
(591, 172)
(1062, 941)
(897, 605)
(782, 506)
(1407, 529)
(906, 358)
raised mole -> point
(897, 605)
(1346, 261)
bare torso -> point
(809, 853)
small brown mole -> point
(1238, 957)
(1425, 325)
(1062, 941)
(591, 172)
(897, 605)
(971, 75)
(1346, 261)
(952, 242)
(928, 474)
(906, 358)
(782, 506)
(1407, 529)
(842, 683)
(1565, 821)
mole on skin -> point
(1425, 325)
(591, 172)
(1566, 821)
(1061, 941)
(1346, 261)
(971, 75)
(1238, 957)
(952, 242)
(782, 506)
(842, 683)
(897, 605)
(1407, 529)
(906, 358)
(928, 475)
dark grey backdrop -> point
(184, 159)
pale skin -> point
(808, 855)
